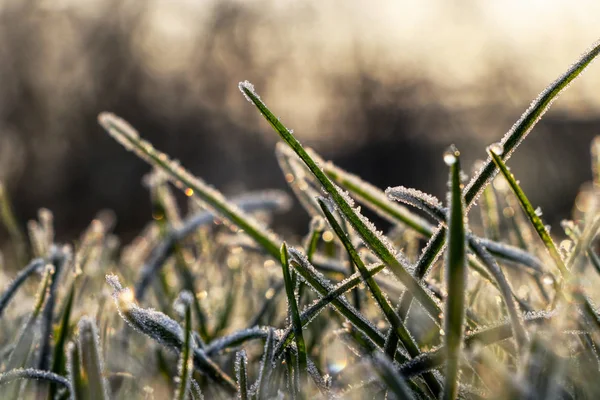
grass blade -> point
(58, 361)
(74, 369)
(35, 374)
(393, 319)
(34, 266)
(209, 196)
(390, 376)
(295, 316)
(456, 276)
(376, 242)
(261, 386)
(525, 124)
(163, 330)
(91, 361)
(496, 151)
(241, 373)
(186, 358)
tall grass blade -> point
(364, 228)
(163, 330)
(58, 361)
(496, 151)
(78, 383)
(263, 384)
(91, 361)
(393, 380)
(393, 319)
(34, 374)
(34, 266)
(186, 357)
(209, 196)
(241, 373)
(456, 276)
(525, 124)
(295, 316)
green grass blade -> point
(376, 242)
(209, 196)
(311, 311)
(295, 316)
(456, 277)
(74, 368)
(510, 142)
(58, 361)
(263, 383)
(163, 330)
(34, 374)
(393, 319)
(392, 379)
(528, 120)
(495, 152)
(186, 357)
(91, 362)
(241, 372)
(34, 266)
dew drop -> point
(497, 148)
(538, 212)
(449, 158)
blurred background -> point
(379, 88)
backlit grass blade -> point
(388, 373)
(186, 357)
(251, 202)
(210, 197)
(492, 273)
(484, 337)
(34, 374)
(24, 344)
(58, 361)
(315, 308)
(525, 124)
(9, 220)
(241, 373)
(509, 143)
(295, 316)
(91, 361)
(375, 241)
(496, 151)
(34, 266)
(456, 276)
(263, 383)
(393, 319)
(489, 213)
(74, 368)
(163, 330)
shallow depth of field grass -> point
(215, 305)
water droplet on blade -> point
(497, 148)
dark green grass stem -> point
(241, 372)
(511, 140)
(91, 362)
(35, 265)
(528, 120)
(456, 277)
(34, 374)
(495, 153)
(129, 138)
(390, 376)
(186, 357)
(374, 242)
(74, 369)
(58, 361)
(294, 314)
(393, 319)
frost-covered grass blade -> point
(456, 276)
